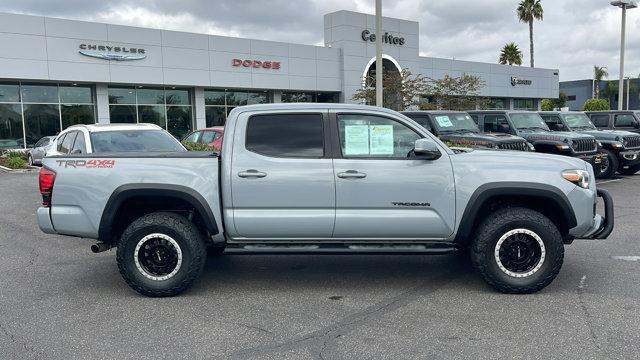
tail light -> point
(47, 177)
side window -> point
(193, 137)
(623, 120)
(553, 122)
(41, 142)
(475, 119)
(374, 137)
(600, 120)
(286, 135)
(79, 146)
(60, 140)
(207, 137)
(496, 123)
(67, 143)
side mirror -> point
(426, 149)
(636, 124)
(76, 151)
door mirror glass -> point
(426, 149)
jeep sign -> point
(517, 81)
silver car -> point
(40, 150)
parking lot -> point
(58, 300)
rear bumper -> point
(602, 225)
(44, 221)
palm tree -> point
(599, 73)
(529, 10)
(510, 54)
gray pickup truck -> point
(325, 179)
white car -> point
(109, 138)
(40, 150)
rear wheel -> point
(630, 170)
(161, 254)
(517, 250)
(609, 164)
(30, 160)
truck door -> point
(282, 183)
(381, 193)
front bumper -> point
(629, 157)
(602, 225)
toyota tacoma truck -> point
(456, 128)
(620, 149)
(529, 125)
(324, 179)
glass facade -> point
(30, 111)
(524, 104)
(219, 102)
(498, 104)
(169, 108)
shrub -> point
(595, 105)
(16, 163)
(191, 146)
(546, 105)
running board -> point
(341, 249)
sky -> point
(574, 36)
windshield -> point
(525, 121)
(455, 122)
(134, 140)
(578, 121)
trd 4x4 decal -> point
(86, 163)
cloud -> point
(574, 35)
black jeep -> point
(627, 120)
(530, 126)
(621, 148)
(458, 129)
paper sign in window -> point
(356, 140)
(381, 139)
(444, 121)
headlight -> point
(578, 177)
(562, 147)
(531, 147)
(599, 144)
(617, 145)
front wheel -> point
(161, 254)
(517, 250)
(630, 170)
(609, 164)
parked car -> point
(626, 120)
(325, 179)
(108, 138)
(530, 126)
(457, 128)
(40, 149)
(210, 136)
(620, 149)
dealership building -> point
(55, 73)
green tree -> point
(528, 11)
(401, 90)
(599, 73)
(510, 54)
(595, 105)
(546, 105)
(560, 101)
(455, 93)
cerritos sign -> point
(386, 38)
(264, 64)
(517, 81)
(110, 52)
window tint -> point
(134, 140)
(193, 137)
(492, 123)
(600, 120)
(373, 136)
(624, 120)
(553, 122)
(290, 135)
(60, 140)
(208, 137)
(79, 146)
(67, 143)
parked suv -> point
(620, 149)
(106, 138)
(457, 128)
(529, 125)
(616, 120)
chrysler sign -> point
(264, 64)
(517, 81)
(109, 52)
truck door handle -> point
(352, 174)
(251, 174)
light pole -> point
(624, 5)
(379, 53)
(626, 77)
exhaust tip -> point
(100, 247)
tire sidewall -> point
(614, 164)
(553, 249)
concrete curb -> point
(29, 170)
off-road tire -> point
(183, 232)
(630, 170)
(614, 163)
(498, 224)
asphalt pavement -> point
(60, 301)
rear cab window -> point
(286, 135)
